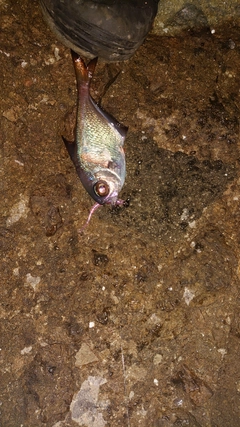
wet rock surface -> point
(179, 15)
(135, 322)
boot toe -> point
(110, 29)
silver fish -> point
(97, 151)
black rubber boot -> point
(109, 29)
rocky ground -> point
(135, 322)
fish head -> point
(103, 186)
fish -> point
(97, 151)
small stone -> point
(188, 295)
(131, 394)
(137, 373)
(16, 271)
(91, 325)
(85, 407)
(157, 359)
(12, 114)
(18, 211)
(85, 356)
(33, 281)
(222, 351)
(26, 350)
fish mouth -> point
(113, 200)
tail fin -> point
(83, 72)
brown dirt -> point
(159, 279)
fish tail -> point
(83, 72)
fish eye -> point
(101, 189)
